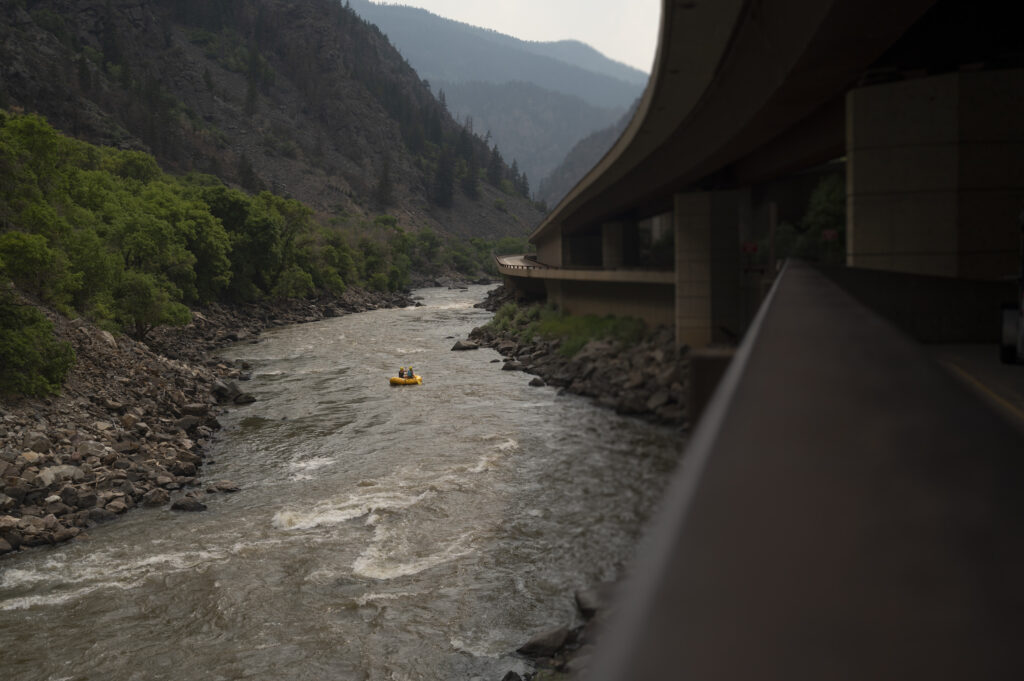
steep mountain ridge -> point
(573, 91)
(580, 159)
(303, 98)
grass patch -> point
(572, 331)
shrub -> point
(32, 361)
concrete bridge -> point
(847, 507)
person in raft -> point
(409, 373)
(401, 372)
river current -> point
(381, 533)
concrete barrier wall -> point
(654, 303)
(931, 309)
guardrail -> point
(845, 509)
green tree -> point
(32, 361)
(143, 302)
(495, 168)
(443, 190)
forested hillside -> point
(304, 99)
(156, 157)
(531, 125)
(536, 99)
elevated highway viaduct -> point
(846, 508)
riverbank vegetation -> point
(105, 234)
(571, 331)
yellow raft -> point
(415, 380)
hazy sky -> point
(625, 30)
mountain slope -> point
(578, 162)
(303, 98)
(483, 72)
(532, 125)
(441, 49)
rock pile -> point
(647, 379)
(127, 431)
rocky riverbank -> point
(647, 379)
(565, 652)
(131, 425)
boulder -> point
(465, 345)
(91, 448)
(658, 399)
(188, 504)
(156, 497)
(537, 382)
(29, 458)
(223, 486)
(48, 477)
(225, 391)
(186, 423)
(100, 515)
(86, 499)
(244, 398)
(195, 409)
(37, 442)
(5, 547)
(545, 644)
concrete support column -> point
(935, 174)
(692, 224)
(549, 249)
(611, 245)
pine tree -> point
(443, 193)
(471, 180)
(495, 167)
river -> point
(390, 533)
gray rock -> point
(537, 382)
(545, 644)
(466, 345)
(244, 398)
(6, 502)
(86, 499)
(156, 497)
(100, 515)
(58, 474)
(188, 504)
(195, 409)
(5, 547)
(91, 448)
(37, 442)
(186, 423)
(658, 399)
(223, 486)
(225, 391)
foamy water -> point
(420, 532)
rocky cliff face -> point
(302, 98)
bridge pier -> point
(935, 174)
(707, 268)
